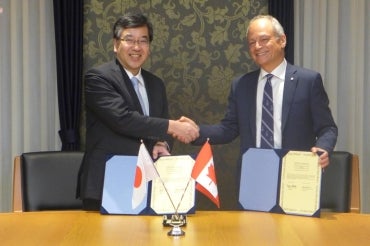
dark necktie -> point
(135, 83)
(267, 126)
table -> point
(203, 228)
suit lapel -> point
(290, 85)
(126, 86)
(252, 97)
(147, 88)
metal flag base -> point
(176, 222)
(176, 231)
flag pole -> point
(183, 194)
(176, 220)
(165, 188)
(160, 179)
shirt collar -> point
(279, 71)
(138, 76)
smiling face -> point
(265, 46)
(131, 49)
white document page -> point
(300, 183)
(174, 184)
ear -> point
(283, 41)
(116, 44)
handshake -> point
(183, 129)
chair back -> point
(336, 183)
(49, 180)
(355, 186)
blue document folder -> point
(259, 180)
(118, 186)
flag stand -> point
(176, 221)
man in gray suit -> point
(124, 105)
(302, 119)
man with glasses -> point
(124, 105)
(292, 113)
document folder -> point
(280, 181)
(118, 188)
(259, 180)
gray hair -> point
(278, 28)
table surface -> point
(203, 228)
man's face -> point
(265, 48)
(133, 48)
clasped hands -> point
(183, 129)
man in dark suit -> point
(302, 119)
(124, 105)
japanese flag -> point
(145, 172)
(205, 175)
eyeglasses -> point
(261, 41)
(132, 42)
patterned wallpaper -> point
(199, 46)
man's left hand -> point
(323, 156)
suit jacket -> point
(115, 124)
(306, 117)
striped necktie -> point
(135, 83)
(267, 125)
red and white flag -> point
(145, 172)
(205, 175)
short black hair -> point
(131, 21)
